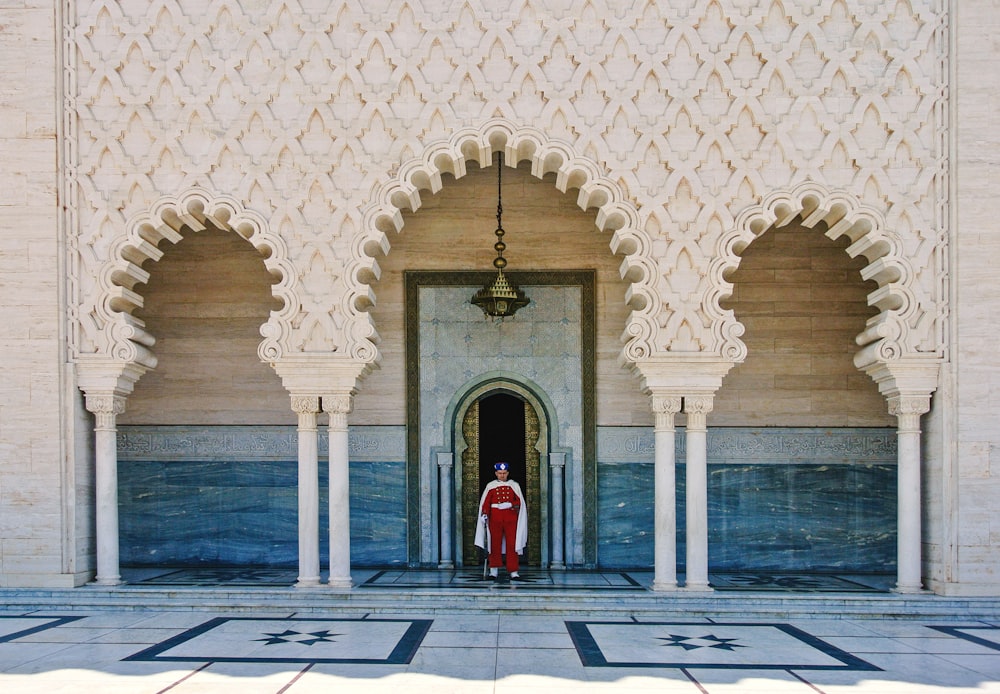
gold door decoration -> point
(470, 484)
(471, 492)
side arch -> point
(127, 339)
(887, 336)
(614, 213)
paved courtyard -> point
(135, 651)
(408, 631)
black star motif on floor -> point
(690, 643)
(291, 636)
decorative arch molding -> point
(547, 156)
(887, 336)
(126, 337)
(500, 382)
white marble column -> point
(908, 410)
(338, 407)
(557, 464)
(306, 407)
(446, 488)
(696, 470)
(106, 409)
(665, 494)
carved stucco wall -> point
(306, 126)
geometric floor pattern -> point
(300, 640)
(721, 646)
(195, 651)
(800, 582)
(473, 578)
(988, 636)
(17, 626)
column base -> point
(108, 581)
(908, 589)
(664, 586)
(308, 582)
(698, 588)
(340, 583)
(557, 566)
(446, 565)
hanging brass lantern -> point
(501, 299)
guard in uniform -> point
(505, 516)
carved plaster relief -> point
(323, 119)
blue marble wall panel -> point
(778, 499)
(227, 496)
(793, 517)
(806, 500)
(244, 513)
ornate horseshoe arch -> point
(547, 156)
(126, 337)
(887, 337)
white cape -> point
(483, 528)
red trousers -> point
(503, 524)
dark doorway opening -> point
(501, 437)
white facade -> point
(311, 129)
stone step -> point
(522, 600)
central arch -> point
(614, 213)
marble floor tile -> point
(861, 645)
(986, 665)
(751, 682)
(527, 639)
(189, 652)
(14, 656)
(458, 662)
(559, 663)
(461, 639)
(466, 623)
(919, 669)
(824, 628)
(718, 646)
(517, 623)
(898, 627)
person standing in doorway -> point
(503, 526)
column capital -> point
(698, 404)
(903, 404)
(665, 404)
(697, 407)
(907, 409)
(445, 459)
(338, 404)
(306, 404)
(664, 408)
(338, 407)
(105, 403)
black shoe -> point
(516, 578)
(491, 578)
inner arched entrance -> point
(497, 426)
